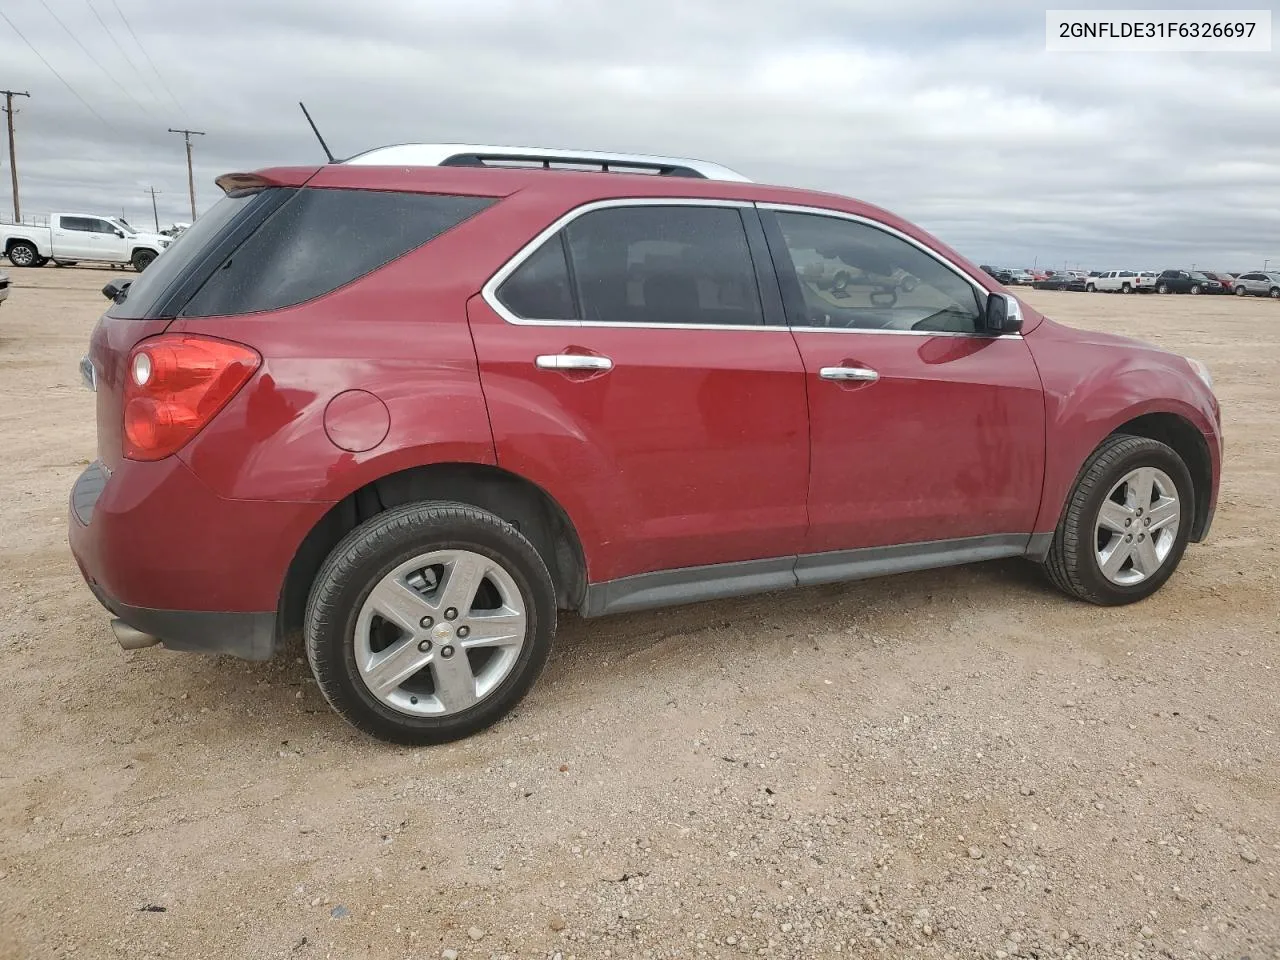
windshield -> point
(122, 223)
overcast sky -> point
(956, 119)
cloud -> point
(955, 118)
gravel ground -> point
(952, 764)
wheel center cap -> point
(442, 633)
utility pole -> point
(13, 157)
(191, 180)
(154, 212)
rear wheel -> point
(1163, 288)
(1126, 525)
(1240, 291)
(23, 254)
(429, 622)
(1125, 288)
(1274, 292)
(1090, 288)
(142, 259)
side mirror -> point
(116, 290)
(120, 234)
(1003, 314)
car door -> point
(1253, 283)
(105, 240)
(924, 431)
(632, 370)
(72, 238)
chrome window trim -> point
(490, 290)
(923, 248)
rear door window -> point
(539, 289)
(322, 239)
(663, 265)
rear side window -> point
(147, 297)
(662, 265)
(539, 289)
(679, 264)
(320, 240)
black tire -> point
(1240, 291)
(1195, 289)
(1090, 288)
(142, 259)
(1274, 293)
(23, 254)
(1072, 564)
(1163, 288)
(1126, 288)
(369, 553)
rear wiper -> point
(117, 290)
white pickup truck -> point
(1120, 281)
(72, 237)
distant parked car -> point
(1258, 284)
(1187, 281)
(1061, 281)
(1022, 277)
(72, 237)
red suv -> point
(416, 404)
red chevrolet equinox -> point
(416, 404)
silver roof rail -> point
(477, 155)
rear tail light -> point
(173, 386)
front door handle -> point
(572, 361)
(849, 373)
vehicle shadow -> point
(591, 656)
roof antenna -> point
(323, 146)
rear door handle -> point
(849, 373)
(572, 361)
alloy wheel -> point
(1137, 526)
(440, 633)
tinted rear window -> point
(147, 291)
(320, 240)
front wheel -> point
(1240, 291)
(1126, 525)
(1163, 288)
(142, 259)
(429, 622)
(1274, 293)
(1090, 288)
(1195, 290)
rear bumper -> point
(172, 559)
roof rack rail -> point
(475, 155)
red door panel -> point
(692, 449)
(948, 442)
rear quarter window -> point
(322, 239)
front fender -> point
(1095, 384)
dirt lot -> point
(953, 764)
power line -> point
(13, 156)
(128, 26)
(89, 54)
(52, 70)
(123, 52)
